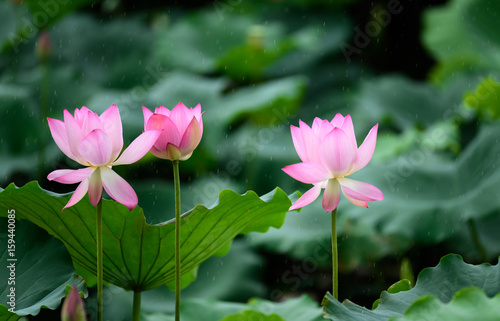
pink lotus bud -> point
(43, 47)
(73, 308)
(182, 130)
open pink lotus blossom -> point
(329, 153)
(96, 141)
(182, 130)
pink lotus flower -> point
(182, 130)
(96, 141)
(329, 153)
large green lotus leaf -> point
(42, 270)
(139, 256)
(296, 309)
(451, 275)
(458, 35)
(467, 304)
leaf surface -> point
(139, 256)
(441, 283)
(37, 274)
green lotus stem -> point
(44, 91)
(477, 241)
(335, 256)
(44, 107)
(177, 187)
(136, 311)
(99, 259)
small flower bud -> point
(43, 47)
(73, 307)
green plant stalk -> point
(477, 240)
(136, 310)
(44, 107)
(335, 256)
(177, 187)
(99, 259)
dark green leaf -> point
(451, 275)
(42, 272)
